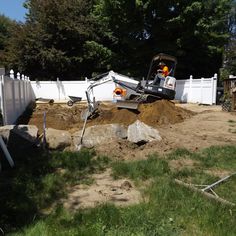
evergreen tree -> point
(193, 31)
(6, 25)
(71, 39)
(59, 39)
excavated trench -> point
(62, 117)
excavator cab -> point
(169, 61)
(157, 84)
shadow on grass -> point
(39, 179)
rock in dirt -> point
(57, 139)
(100, 134)
(26, 132)
(138, 132)
(126, 185)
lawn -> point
(167, 209)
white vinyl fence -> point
(190, 90)
(201, 91)
(17, 93)
(15, 96)
(60, 90)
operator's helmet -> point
(161, 63)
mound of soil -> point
(68, 118)
(154, 114)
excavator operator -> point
(163, 69)
(162, 72)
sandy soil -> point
(61, 116)
(104, 189)
(188, 126)
(209, 126)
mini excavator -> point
(129, 93)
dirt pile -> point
(154, 114)
(62, 117)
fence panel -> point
(17, 93)
(191, 90)
(197, 90)
(60, 90)
(15, 96)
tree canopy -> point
(6, 25)
(71, 39)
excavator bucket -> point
(133, 105)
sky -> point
(13, 9)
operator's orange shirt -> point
(165, 71)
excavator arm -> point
(118, 79)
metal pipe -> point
(217, 182)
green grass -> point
(170, 209)
(219, 157)
(141, 170)
(38, 180)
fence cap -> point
(232, 77)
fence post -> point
(214, 89)
(12, 74)
(23, 95)
(19, 89)
(3, 104)
(2, 99)
(13, 91)
(27, 90)
(18, 75)
(202, 80)
(59, 89)
(190, 89)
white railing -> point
(15, 96)
(190, 90)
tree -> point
(59, 39)
(193, 31)
(5, 33)
(75, 38)
(229, 60)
